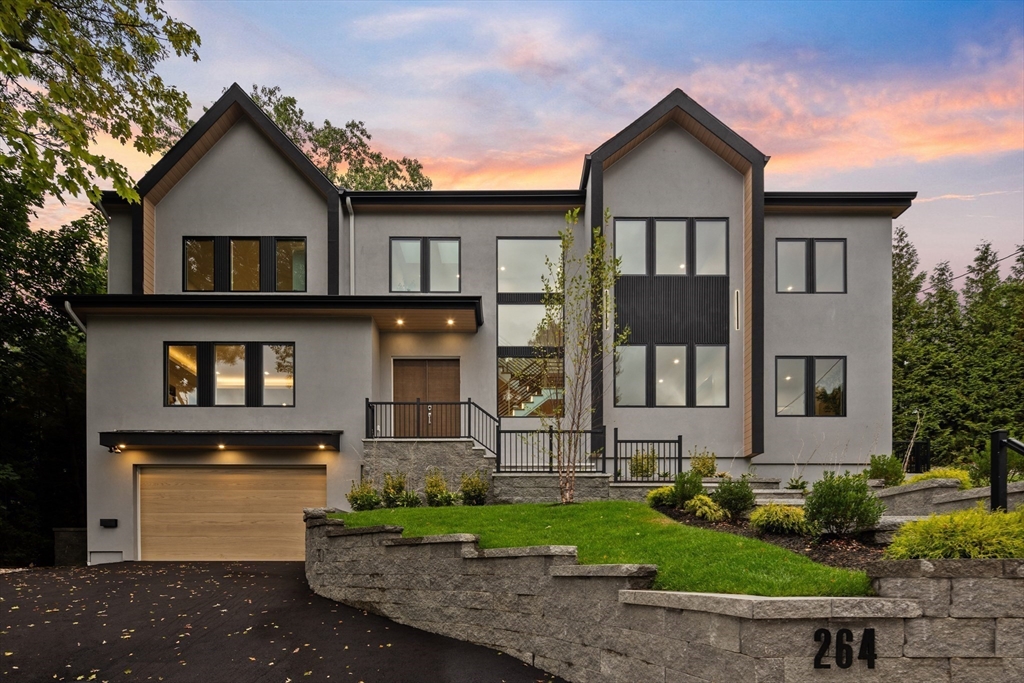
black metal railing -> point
(1001, 442)
(647, 460)
(432, 420)
(533, 450)
(920, 455)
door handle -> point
(430, 413)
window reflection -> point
(245, 265)
(670, 376)
(444, 265)
(791, 266)
(790, 387)
(527, 325)
(670, 243)
(710, 370)
(199, 265)
(278, 375)
(522, 263)
(405, 265)
(711, 242)
(630, 375)
(182, 376)
(291, 265)
(829, 386)
(229, 374)
(631, 246)
(829, 266)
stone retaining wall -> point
(941, 496)
(600, 623)
(415, 456)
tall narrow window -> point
(631, 246)
(830, 386)
(829, 266)
(405, 265)
(790, 386)
(791, 266)
(710, 370)
(444, 265)
(245, 265)
(229, 375)
(670, 376)
(711, 238)
(291, 264)
(670, 247)
(278, 375)
(199, 264)
(182, 375)
(631, 375)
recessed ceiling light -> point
(265, 372)
(661, 381)
(122, 446)
(400, 321)
(322, 446)
(787, 379)
(502, 268)
(450, 321)
(220, 446)
(789, 289)
(676, 361)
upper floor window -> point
(237, 264)
(810, 265)
(425, 264)
(523, 264)
(672, 246)
(810, 385)
(250, 374)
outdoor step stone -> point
(612, 570)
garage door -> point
(227, 513)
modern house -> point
(265, 330)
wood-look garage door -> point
(227, 513)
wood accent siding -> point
(226, 513)
(148, 246)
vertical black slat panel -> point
(268, 264)
(221, 264)
(138, 244)
(691, 375)
(811, 285)
(424, 265)
(333, 244)
(205, 368)
(711, 306)
(253, 374)
(809, 406)
(674, 310)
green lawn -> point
(688, 558)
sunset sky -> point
(843, 96)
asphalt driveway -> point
(216, 621)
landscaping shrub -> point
(688, 484)
(974, 533)
(661, 497)
(393, 489)
(734, 496)
(474, 489)
(705, 462)
(363, 496)
(963, 476)
(797, 484)
(437, 491)
(841, 504)
(980, 466)
(408, 499)
(778, 519)
(888, 468)
(643, 464)
(702, 506)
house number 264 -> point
(844, 648)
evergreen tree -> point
(906, 322)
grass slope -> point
(688, 558)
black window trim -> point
(424, 263)
(691, 378)
(651, 244)
(809, 384)
(222, 263)
(206, 379)
(810, 274)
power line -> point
(928, 289)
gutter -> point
(351, 246)
(67, 307)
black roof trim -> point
(300, 302)
(677, 98)
(235, 95)
(325, 440)
(112, 198)
(465, 197)
(585, 176)
(838, 198)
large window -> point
(810, 386)
(670, 255)
(631, 246)
(810, 265)
(674, 246)
(250, 374)
(244, 264)
(425, 264)
(679, 375)
(530, 367)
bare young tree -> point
(574, 338)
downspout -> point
(67, 307)
(351, 246)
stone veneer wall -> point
(415, 456)
(941, 496)
(599, 623)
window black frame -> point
(810, 279)
(651, 240)
(206, 379)
(809, 384)
(222, 263)
(522, 299)
(651, 369)
(424, 264)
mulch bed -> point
(844, 552)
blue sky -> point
(842, 95)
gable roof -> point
(217, 120)
(679, 107)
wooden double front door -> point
(435, 384)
